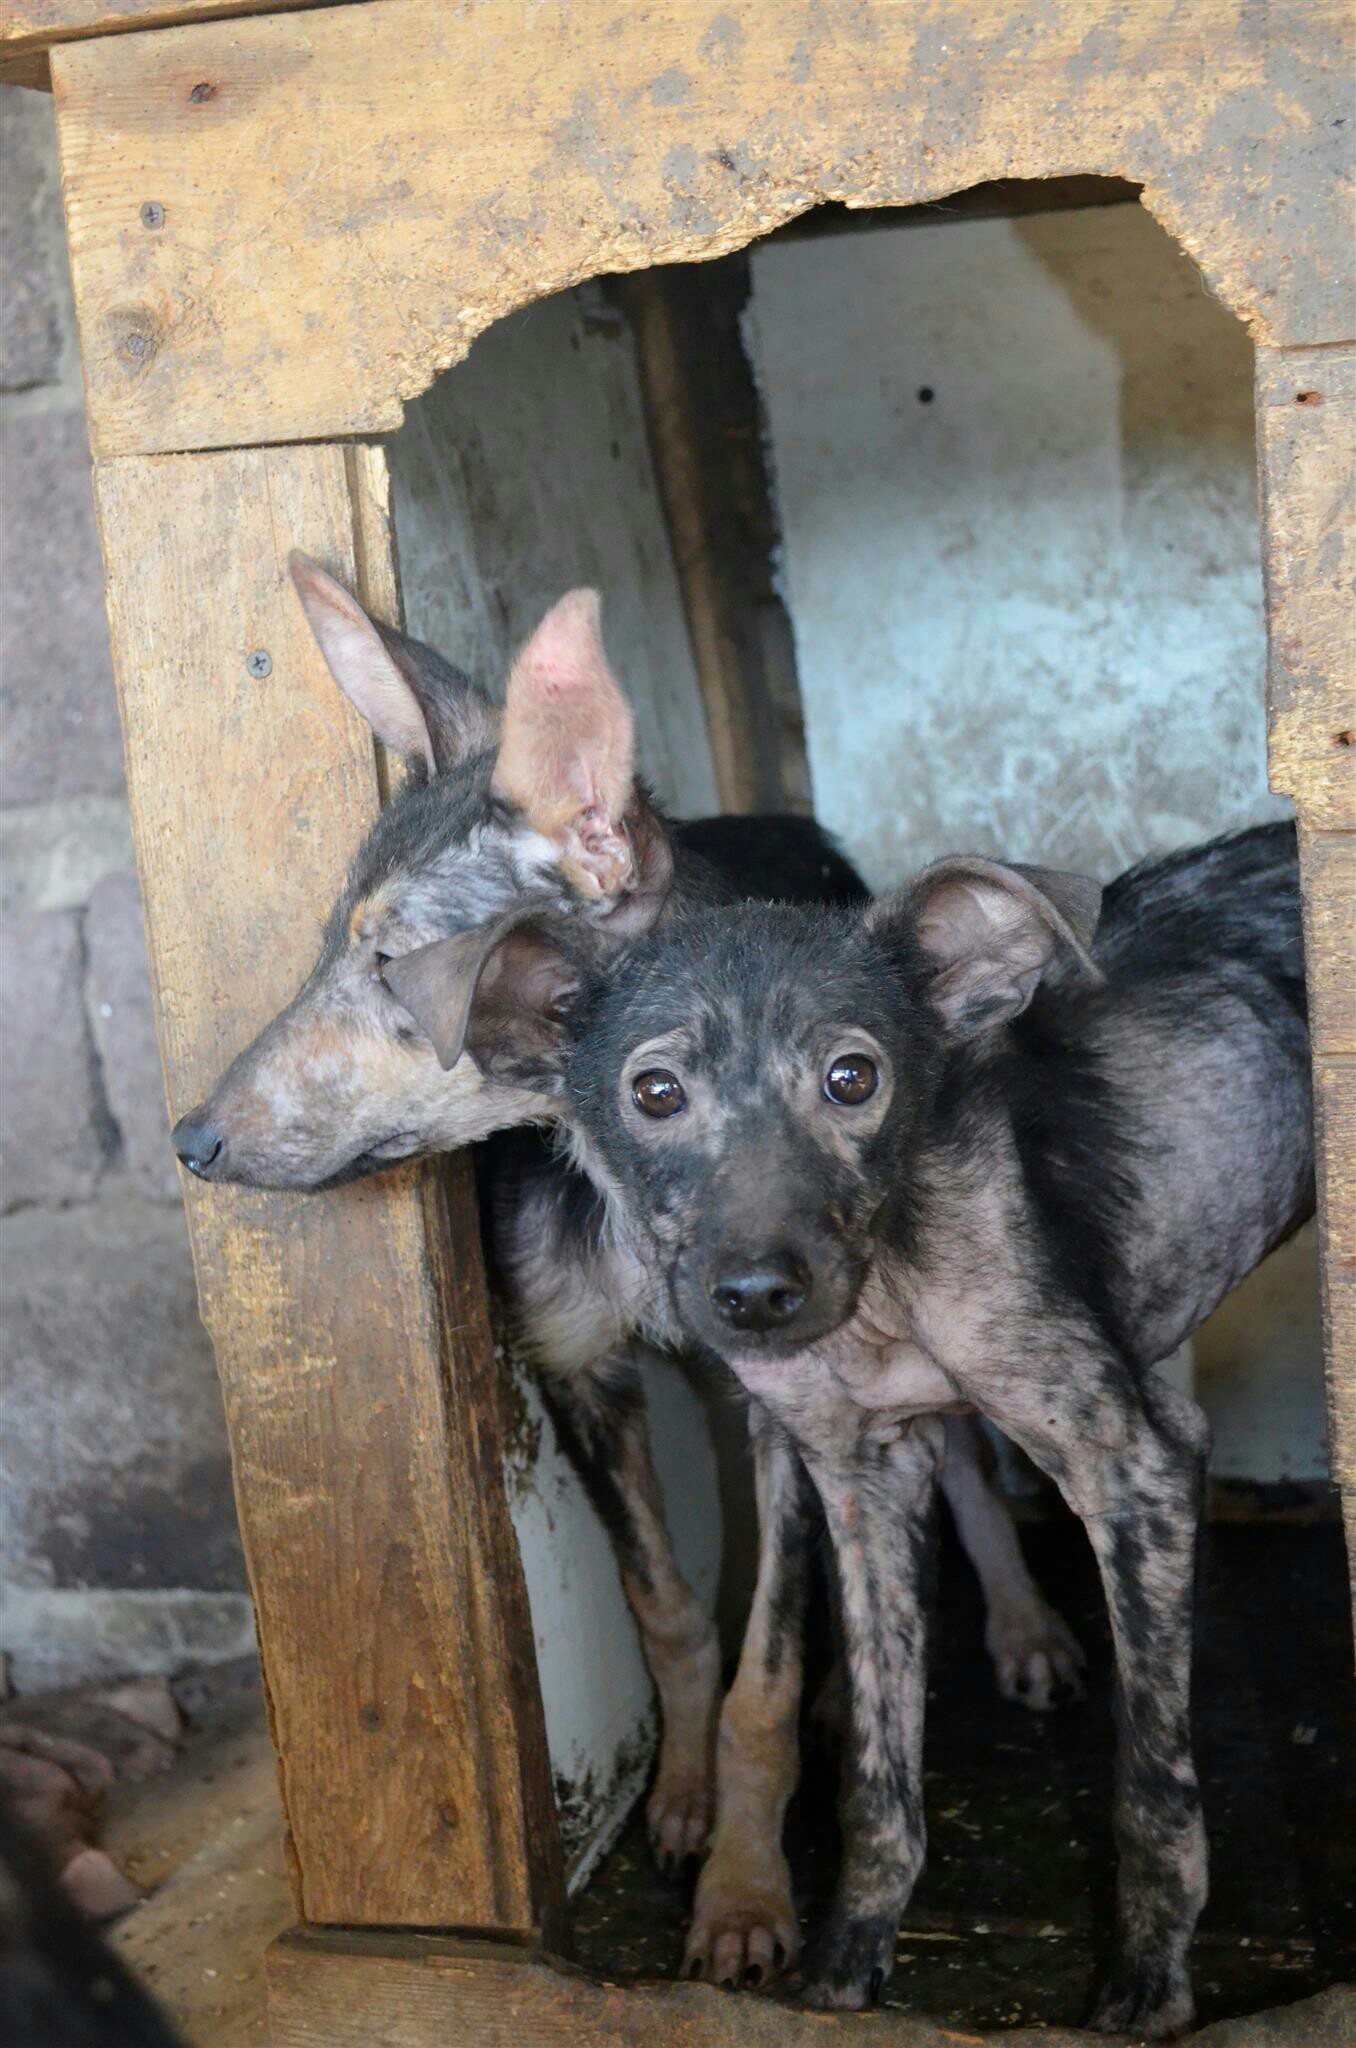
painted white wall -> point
(1015, 470)
(522, 472)
(596, 1691)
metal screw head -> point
(153, 214)
(259, 664)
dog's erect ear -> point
(567, 755)
(497, 992)
(415, 702)
(991, 933)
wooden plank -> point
(335, 1990)
(1335, 1125)
(331, 239)
(706, 442)
(353, 1346)
(1306, 436)
(1328, 869)
(29, 67)
(34, 26)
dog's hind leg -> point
(879, 1503)
(1130, 1459)
(1036, 1659)
(601, 1418)
(744, 1922)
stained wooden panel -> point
(1335, 1119)
(404, 1993)
(351, 195)
(705, 429)
(1328, 864)
(351, 1337)
(1306, 434)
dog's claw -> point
(678, 1816)
(743, 1931)
(850, 1962)
(1037, 1660)
(1153, 2003)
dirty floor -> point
(205, 1840)
(1003, 1929)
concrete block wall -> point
(118, 1543)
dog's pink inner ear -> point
(567, 754)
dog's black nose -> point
(763, 1293)
(197, 1143)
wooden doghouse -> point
(283, 222)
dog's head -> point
(535, 805)
(763, 1086)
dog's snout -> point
(763, 1293)
(197, 1143)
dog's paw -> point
(1153, 2002)
(850, 1960)
(1037, 1660)
(743, 1928)
(678, 1815)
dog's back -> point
(1201, 1043)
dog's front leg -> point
(879, 1503)
(1130, 1460)
(743, 1918)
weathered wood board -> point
(1329, 871)
(1306, 448)
(705, 431)
(351, 195)
(351, 1337)
(354, 1991)
(35, 25)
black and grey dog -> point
(539, 808)
(974, 1148)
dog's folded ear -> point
(989, 934)
(416, 703)
(499, 992)
(566, 764)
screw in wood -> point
(153, 214)
(259, 664)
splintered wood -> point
(351, 195)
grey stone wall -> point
(118, 1543)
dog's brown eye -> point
(851, 1079)
(658, 1093)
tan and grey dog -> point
(953, 1152)
(538, 808)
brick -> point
(51, 1137)
(115, 1471)
(51, 855)
(32, 242)
(57, 699)
(123, 1023)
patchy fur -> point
(504, 816)
(1057, 1176)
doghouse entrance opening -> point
(946, 525)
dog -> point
(540, 810)
(998, 1144)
